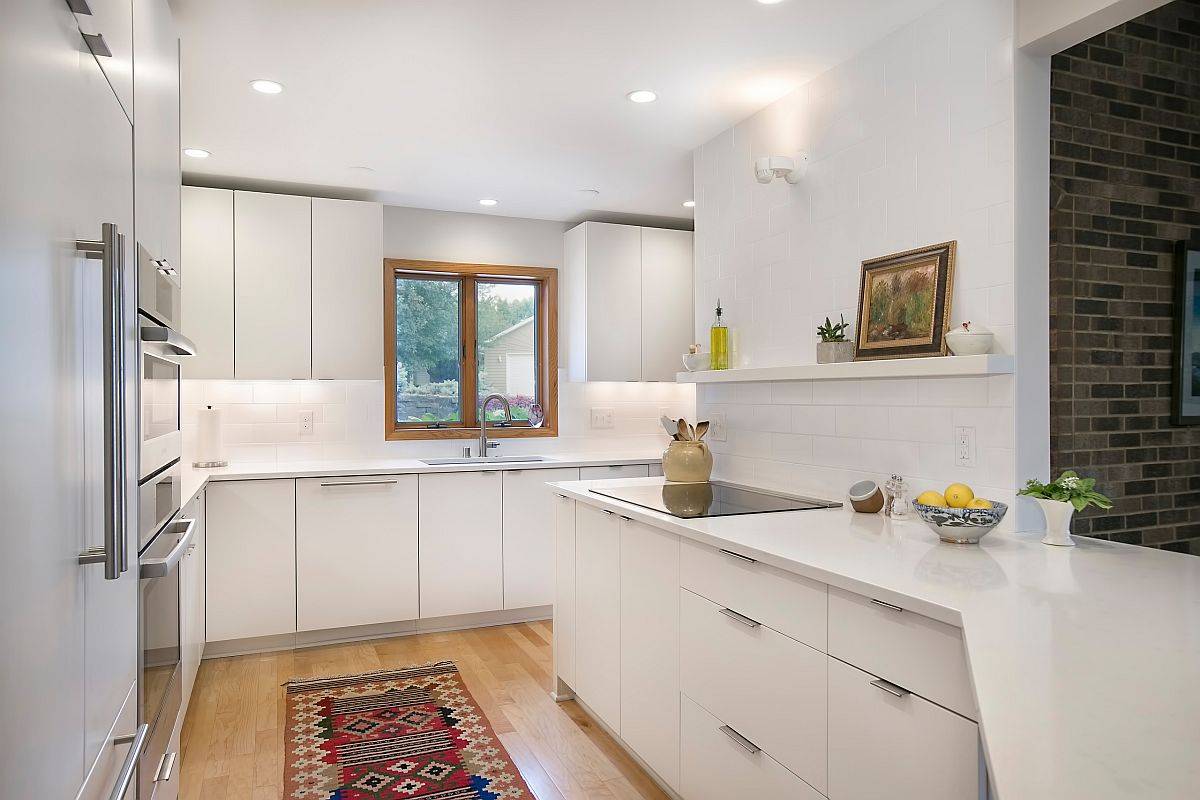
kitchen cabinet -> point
(358, 532)
(250, 559)
(461, 543)
(649, 651)
(347, 269)
(613, 471)
(598, 613)
(109, 27)
(191, 600)
(886, 742)
(667, 302)
(272, 302)
(156, 149)
(564, 590)
(207, 260)
(529, 524)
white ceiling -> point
(450, 101)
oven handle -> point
(170, 342)
(158, 567)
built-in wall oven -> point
(161, 408)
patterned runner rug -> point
(406, 734)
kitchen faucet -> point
(484, 444)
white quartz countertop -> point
(194, 479)
(1085, 660)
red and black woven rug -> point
(407, 734)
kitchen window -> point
(456, 333)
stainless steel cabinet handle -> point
(750, 746)
(110, 251)
(137, 745)
(169, 342)
(740, 557)
(627, 519)
(165, 768)
(891, 688)
(158, 567)
(888, 606)
(79, 7)
(360, 483)
(606, 511)
(96, 43)
(742, 618)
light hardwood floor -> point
(233, 735)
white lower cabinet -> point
(461, 543)
(191, 599)
(614, 471)
(250, 559)
(598, 613)
(529, 535)
(564, 590)
(650, 647)
(769, 688)
(887, 743)
(716, 763)
(356, 551)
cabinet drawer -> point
(788, 603)
(921, 654)
(716, 766)
(883, 746)
(769, 688)
(613, 471)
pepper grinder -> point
(896, 503)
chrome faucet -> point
(484, 444)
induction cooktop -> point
(712, 499)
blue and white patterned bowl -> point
(961, 525)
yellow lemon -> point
(979, 502)
(932, 498)
(958, 495)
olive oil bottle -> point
(718, 342)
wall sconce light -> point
(768, 168)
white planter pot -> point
(1058, 522)
(835, 352)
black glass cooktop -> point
(713, 499)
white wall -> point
(1046, 27)
(910, 143)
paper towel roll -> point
(209, 450)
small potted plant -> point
(833, 347)
(1060, 499)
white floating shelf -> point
(929, 367)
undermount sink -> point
(438, 462)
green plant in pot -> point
(833, 347)
(1060, 499)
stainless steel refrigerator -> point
(69, 584)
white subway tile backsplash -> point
(815, 420)
(276, 391)
(836, 452)
(888, 392)
(792, 392)
(836, 393)
(950, 392)
(861, 422)
(792, 447)
(322, 392)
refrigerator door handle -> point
(110, 252)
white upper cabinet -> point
(272, 306)
(667, 306)
(110, 28)
(208, 289)
(529, 523)
(155, 130)
(347, 298)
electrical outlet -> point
(716, 426)
(603, 418)
(964, 447)
(306, 422)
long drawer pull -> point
(742, 618)
(739, 556)
(360, 483)
(749, 746)
(890, 688)
(137, 744)
(888, 606)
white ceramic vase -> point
(1058, 522)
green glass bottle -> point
(718, 342)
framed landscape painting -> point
(1185, 385)
(904, 303)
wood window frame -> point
(546, 322)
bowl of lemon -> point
(957, 515)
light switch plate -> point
(964, 447)
(306, 422)
(603, 418)
(716, 426)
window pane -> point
(427, 350)
(506, 323)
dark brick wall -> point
(1125, 185)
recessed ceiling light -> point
(489, 201)
(689, 203)
(266, 87)
(196, 152)
(642, 96)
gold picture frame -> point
(904, 303)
